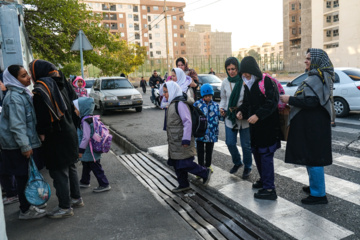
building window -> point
(175, 44)
(299, 30)
(150, 36)
(130, 16)
(328, 19)
(336, 32)
(157, 35)
(122, 34)
(148, 9)
(137, 36)
(336, 3)
(149, 18)
(151, 54)
(130, 6)
(155, 8)
(328, 4)
(156, 26)
(121, 15)
(336, 18)
(145, 35)
(183, 44)
(328, 33)
(300, 19)
(293, 6)
(105, 7)
(114, 26)
(121, 25)
(181, 26)
(293, 19)
(175, 34)
(151, 45)
(157, 44)
(113, 17)
(149, 27)
(146, 44)
(334, 45)
(183, 52)
(143, 7)
(113, 7)
(135, 9)
(181, 18)
(158, 52)
(175, 26)
(180, 9)
(293, 31)
(136, 17)
(182, 35)
(174, 17)
(144, 16)
(145, 25)
(299, 5)
(136, 27)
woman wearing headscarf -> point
(309, 139)
(18, 136)
(181, 142)
(232, 95)
(261, 111)
(191, 74)
(57, 132)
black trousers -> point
(66, 183)
(204, 147)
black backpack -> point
(198, 119)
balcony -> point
(136, 27)
(112, 7)
(113, 17)
(114, 26)
(136, 18)
(135, 9)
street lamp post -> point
(167, 39)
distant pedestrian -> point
(211, 110)
(181, 142)
(18, 136)
(90, 160)
(152, 82)
(79, 87)
(232, 96)
(309, 140)
(143, 84)
(55, 126)
(212, 71)
(261, 111)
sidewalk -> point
(127, 211)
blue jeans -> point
(317, 181)
(231, 142)
(153, 93)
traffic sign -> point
(81, 40)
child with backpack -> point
(212, 112)
(79, 87)
(181, 142)
(88, 156)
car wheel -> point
(341, 107)
(102, 109)
(138, 109)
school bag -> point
(198, 119)
(37, 190)
(100, 142)
(281, 91)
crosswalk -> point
(289, 217)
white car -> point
(89, 83)
(346, 89)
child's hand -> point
(77, 112)
(42, 137)
(80, 155)
(185, 145)
(239, 115)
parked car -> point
(214, 81)
(114, 93)
(89, 83)
(346, 89)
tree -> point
(254, 54)
(52, 26)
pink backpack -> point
(281, 91)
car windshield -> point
(209, 79)
(89, 83)
(354, 74)
(115, 83)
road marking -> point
(347, 121)
(289, 217)
(346, 130)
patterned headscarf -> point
(320, 63)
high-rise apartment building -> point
(201, 41)
(143, 22)
(332, 25)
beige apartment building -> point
(270, 56)
(332, 25)
(143, 22)
(201, 41)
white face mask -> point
(250, 82)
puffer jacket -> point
(212, 112)
(18, 121)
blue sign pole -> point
(81, 56)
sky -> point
(252, 22)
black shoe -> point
(257, 184)
(180, 189)
(306, 189)
(266, 194)
(246, 173)
(333, 124)
(310, 200)
(235, 168)
(208, 176)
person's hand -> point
(42, 137)
(239, 115)
(152, 86)
(28, 153)
(253, 119)
(193, 84)
(2, 87)
(77, 112)
(222, 112)
(285, 98)
(80, 155)
(185, 145)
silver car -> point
(346, 89)
(115, 93)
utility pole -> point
(167, 40)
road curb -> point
(123, 142)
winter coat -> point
(18, 121)
(86, 130)
(212, 112)
(143, 83)
(153, 80)
(179, 127)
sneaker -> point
(257, 184)
(82, 185)
(77, 203)
(246, 173)
(60, 213)
(32, 213)
(266, 194)
(212, 170)
(10, 200)
(102, 189)
(180, 189)
(207, 179)
(42, 206)
(235, 168)
(306, 189)
(311, 200)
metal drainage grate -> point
(208, 219)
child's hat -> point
(77, 79)
(206, 89)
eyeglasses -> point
(231, 69)
(164, 91)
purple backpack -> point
(100, 141)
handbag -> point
(37, 190)
(283, 119)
